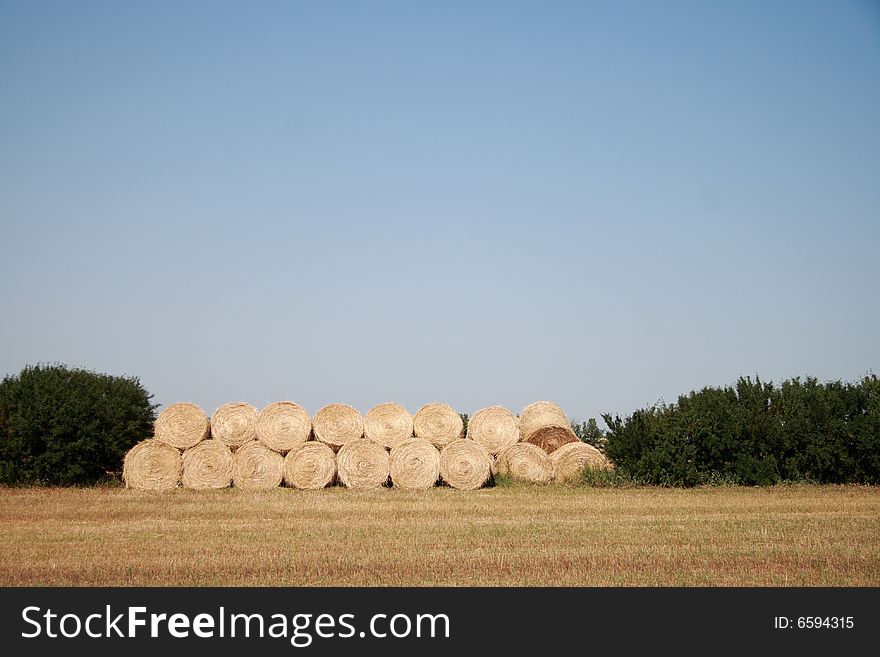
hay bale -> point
(207, 465)
(151, 465)
(495, 428)
(256, 467)
(361, 463)
(234, 424)
(310, 466)
(283, 425)
(415, 464)
(540, 414)
(438, 423)
(570, 461)
(551, 438)
(524, 462)
(388, 424)
(182, 426)
(338, 424)
(465, 464)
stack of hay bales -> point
(548, 449)
(281, 444)
(236, 447)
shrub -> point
(61, 426)
(589, 432)
(754, 433)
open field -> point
(518, 535)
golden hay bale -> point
(337, 424)
(438, 423)
(570, 461)
(234, 424)
(361, 463)
(495, 428)
(256, 467)
(415, 464)
(207, 465)
(465, 464)
(310, 466)
(151, 465)
(551, 438)
(540, 414)
(388, 424)
(182, 425)
(524, 462)
(283, 425)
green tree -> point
(63, 426)
(589, 432)
(755, 433)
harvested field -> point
(515, 535)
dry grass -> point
(517, 535)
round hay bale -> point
(540, 414)
(551, 438)
(361, 463)
(151, 465)
(310, 466)
(388, 424)
(256, 467)
(207, 465)
(495, 428)
(570, 461)
(182, 425)
(438, 423)
(465, 464)
(283, 425)
(415, 464)
(524, 462)
(338, 424)
(234, 424)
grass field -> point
(780, 536)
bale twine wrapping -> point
(182, 425)
(388, 424)
(495, 428)
(540, 414)
(283, 425)
(361, 463)
(553, 437)
(256, 467)
(465, 464)
(311, 466)
(338, 424)
(234, 424)
(207, 465)
(151, 465)
(415, 464)
(524, 462)
(570, 461)
(438, 423)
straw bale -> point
(151, 465)
(182, 425)
(415, 464)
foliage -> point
(589, 432)
(754, 433)
(61, 426)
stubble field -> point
(508, 536)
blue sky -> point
(600, 203)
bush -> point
(589, 432)
(754, 433)
(61, 426)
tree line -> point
(68, 426)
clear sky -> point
(599, 203)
